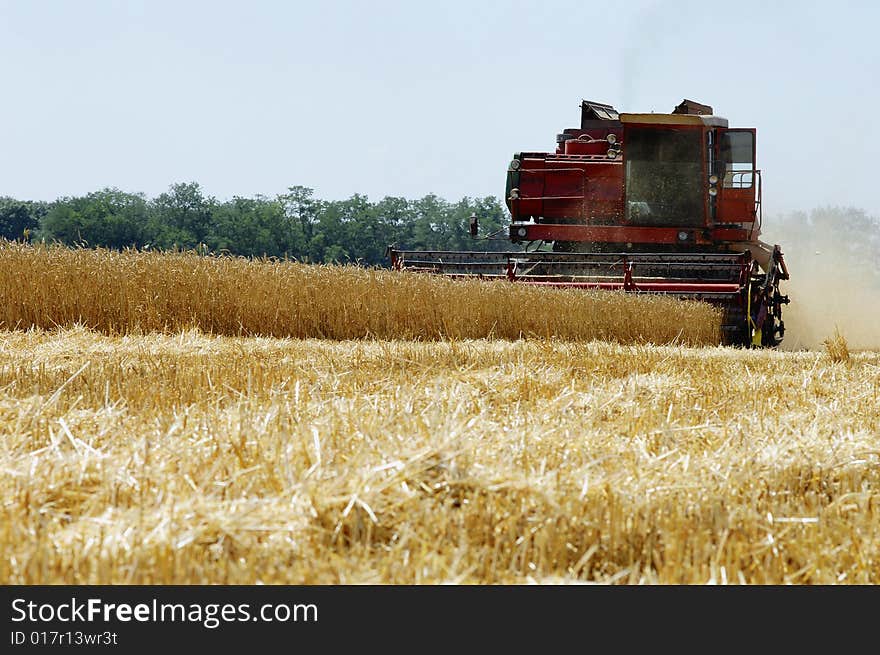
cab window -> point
(738, 159)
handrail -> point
(759, 211)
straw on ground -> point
(188, 458)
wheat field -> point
(190, 458)
(131, 292)
(167, 444)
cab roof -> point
(673, 119)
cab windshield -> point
(664, 176)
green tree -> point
(301, 212)
(182, 216)
(395, 213)
(110, 218)
(494, 219)
(428, 215)
(251, 227)
(294, 224)
(19, 219)
(315, 248)
(366, 235)
(331, 230)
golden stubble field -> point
(133, 455)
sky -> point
(410, 98)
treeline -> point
(843, 242)
(297, 225)
(294, 224)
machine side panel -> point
(570, 190)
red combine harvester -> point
(643, 203)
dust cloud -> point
(833, 257)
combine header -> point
(643, 203)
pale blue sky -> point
(410, 98)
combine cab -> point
(644, 203)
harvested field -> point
(189, 458)
(140, 292)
